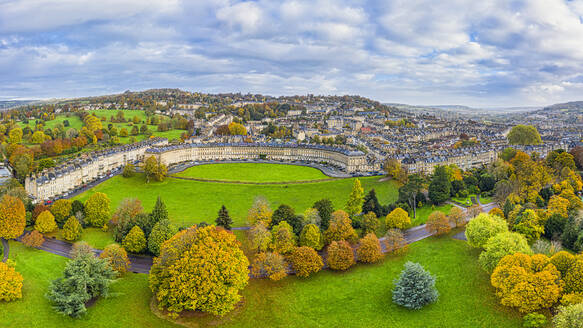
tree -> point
(369, 249)
(126, 217)
(97, 209)
(10, 283)
(38, 137)
(162, 231)
(123, 132)
(340, 255)
(525, 282)
(15, 135)
(61, 209)
(305, 261)
(395, 242)
(371, 204)
(284, 239)
(558, 205)
(237, 129)
(500, 245)
(85, 277)
(415, 287)
(33, 239)
(117, 258)
(474, 210)
(456, 217)
(440, 186)
(496, 212)
(528, 224)
(311, 216)
(92, 123)
(397, 219)
(574, 277)
(135, 241)
(77, 207)
(211, 266)
(355, 199)
(154, 169)
(370, 223)
(223, 219)
(395, 170)
(484, 226)
(311, 237)
(524, 135)
(260, 212)
(577, 153)
(259, 237)
(12, 217)
(569, 316)
(45, 223)
(270, 265)
(340, 228)
(437, 223)
(282, 213)
(563, 261)
(72, 229)
(325, 209)
(128, 170)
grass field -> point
(423, 213)
(253, 172)
(360, 297)
(191, 202)
(95, 237)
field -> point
(360, 297)
(75, 122)
(191, 202)
(253, 172)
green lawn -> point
(127, 306)
(464, 201)
(95, 237)
(423, 213)
(486, 199)
(191, 202)
(253, 172)
(360, 297)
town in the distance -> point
(166, 208)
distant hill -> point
(465, 110)
(7, 104)
(568, 106)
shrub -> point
(340, 255)
(572, 298)
(33, 239)
(569, 316)
(10, 283)
(397, 219)
(563, 261)
(482, 228)
(38, 209)
(305, 261)
(311, 237)
(369, 249)
(135, 241)
(415, 287)
(271, 265)
(210, 265)
(534, 320)
(395, 242)
(161, 232)
(370, 223)
(437, 223)
(117, 257)
(72, 229)
(502, 244)
(497, 212)
(456, 217)
(80, 249)
(45, 223)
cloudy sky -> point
(478, 53)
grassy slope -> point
(253, 172)
(128, 305)
(190, 202)
(360, 297)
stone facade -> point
(348, 160)
(53, 182)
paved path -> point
(6, 249)
(142, 264)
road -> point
(6, 249)
(142, 264)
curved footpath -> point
(6, 249)
(142, 264)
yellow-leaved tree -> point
(12, 217)
(210, 266)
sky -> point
(478, 53)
